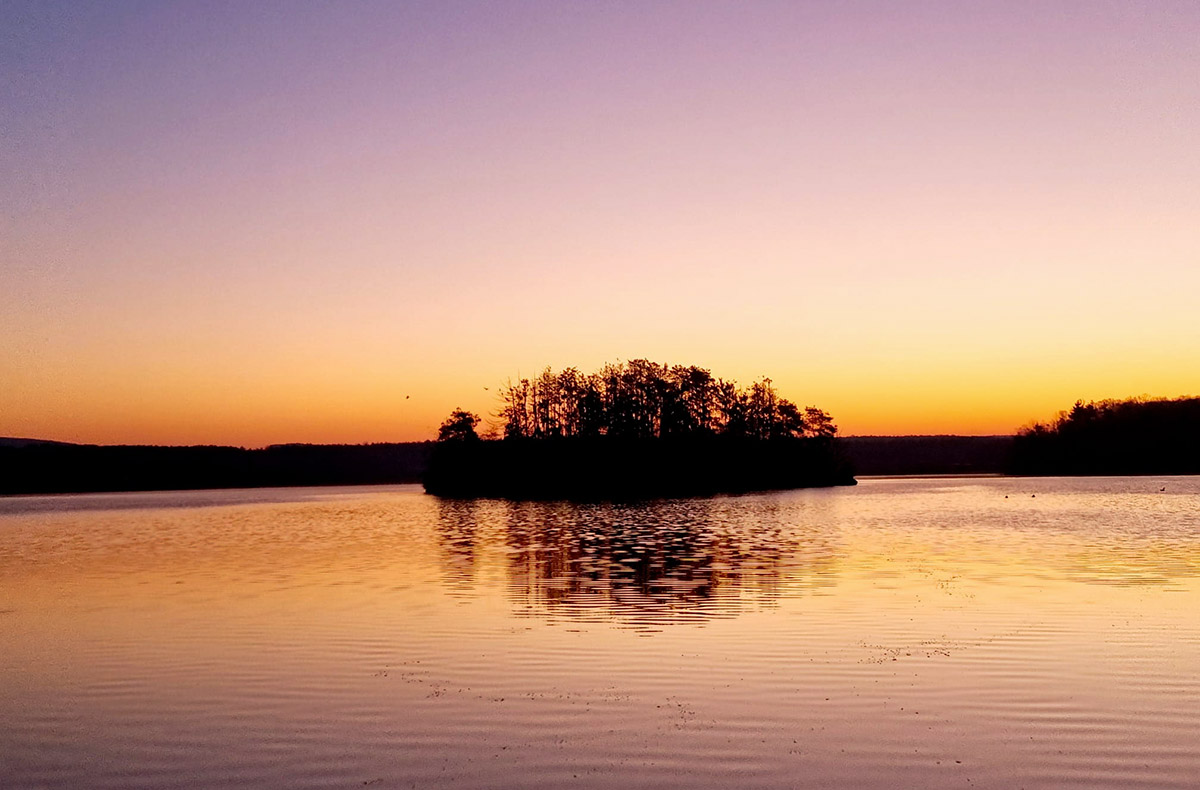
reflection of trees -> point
(647, 564)
(457, 526)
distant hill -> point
(928, 455)
(10, 441)
(33, 467)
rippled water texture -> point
(905, 633)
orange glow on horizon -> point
(955, 230)
(361, 406)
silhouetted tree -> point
(459, 427)
(515, 410)
(819, 423)
(791, 421)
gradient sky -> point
(250, 223)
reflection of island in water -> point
(641, 565)
(650, 564)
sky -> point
(253, 223)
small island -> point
(636, 430)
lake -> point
(987, 632)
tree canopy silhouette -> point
(637, 429)
(640, 399)
(459, 427)
(1130, 436)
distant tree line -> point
(928, 455)
(43, 468)
(641, 399)
(1130, 436)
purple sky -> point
(253, 222)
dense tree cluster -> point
(459, 427)
(640, 399)
(1132, 436)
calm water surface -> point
(905, 633)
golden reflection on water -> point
(933, 633)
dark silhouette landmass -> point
(600, 469)
(634, 430)
(52, 468)
(1114, 437)
(928, 455)
(1135, 436)
(12, 441)
(31, 466)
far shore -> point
(31, 467)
